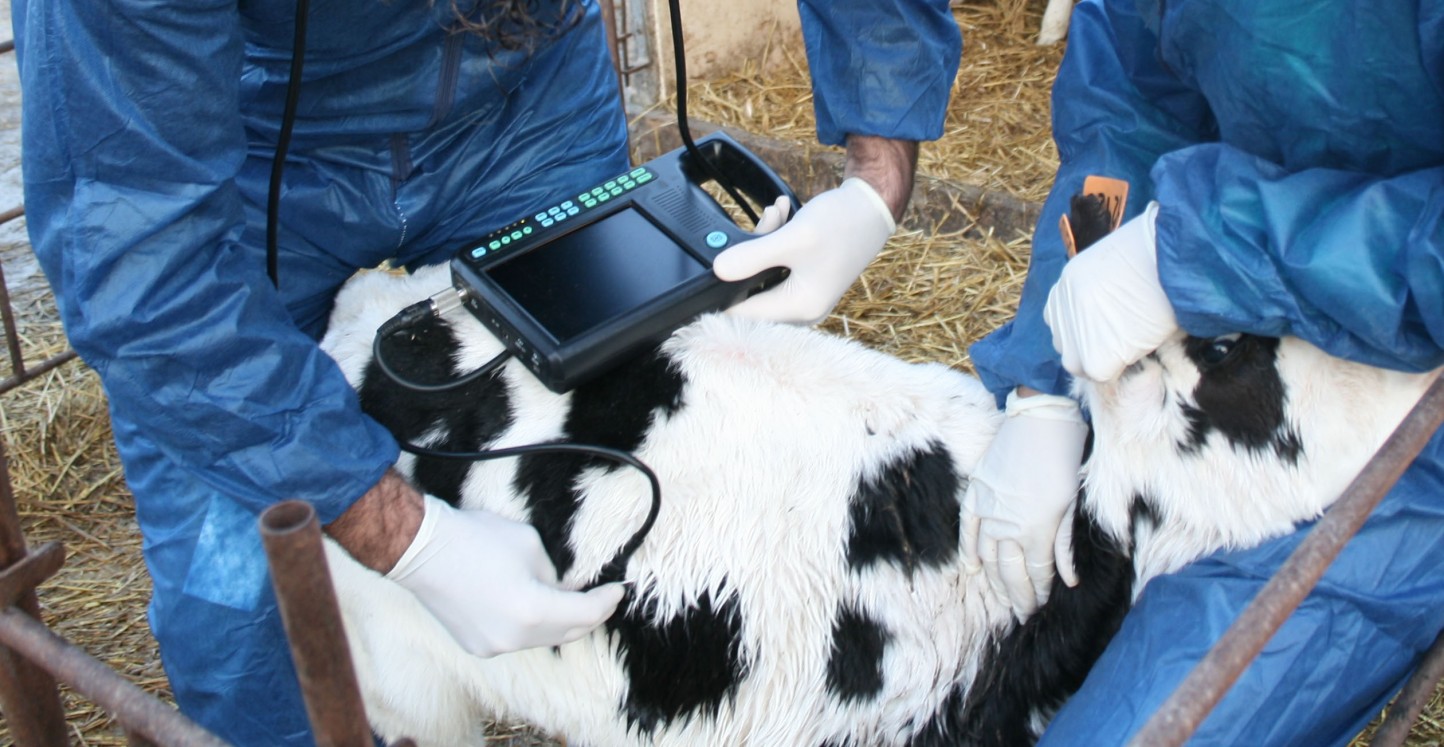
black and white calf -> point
(801, 585)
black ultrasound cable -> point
(433, 307)
(615, 569)
(283, 142)
(679, 57)
(415, 314)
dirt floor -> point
(926, 298)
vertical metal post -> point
(312, 618)
(29, 697)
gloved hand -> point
(1018, 509)
(1108, 308)
(832, 239)
(490, 583)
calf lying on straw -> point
(801, 585)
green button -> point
(589, 202)
(526, 230)
(494, 244)
(603, 197)
(644, 178)
(638, 171)
(597, 190)
(610, 184)
(628, 184)
(515, 235)
(505, 240)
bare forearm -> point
(888, 165)
(378, 528)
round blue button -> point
(716, 239)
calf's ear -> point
(1093, 213)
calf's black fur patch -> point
(854, 669)
(909, 514)
(684, 667)
(1241, 396)
(1038, 664)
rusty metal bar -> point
(12, 333)
(29, 697)
(20, 372)
(137, 709)
(30, 373)
(22, 577)
(1179, 716)
(1410, 701)
(312, 618)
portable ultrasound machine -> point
(585, 282)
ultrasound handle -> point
(741, 169)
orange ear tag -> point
(1113, 192)
(1115, 195)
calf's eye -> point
(1218, 349)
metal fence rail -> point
(20, 373)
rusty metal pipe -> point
(1413, 698)
(12, 335)
(312, 618)
(29, 697)
(1179, 716)
(36, 370)
(139, 711)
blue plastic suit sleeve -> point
(1351, 262)
(1114, 114)
(135, 217)
(880, 68)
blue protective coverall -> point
(1296, 149)
(148, 134)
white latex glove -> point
(774, 215)
(832, 239)
(1018, 509)
(490, 583)
(1108, 308)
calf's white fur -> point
(784, 449)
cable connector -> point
(447, 301)
(436, 306)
